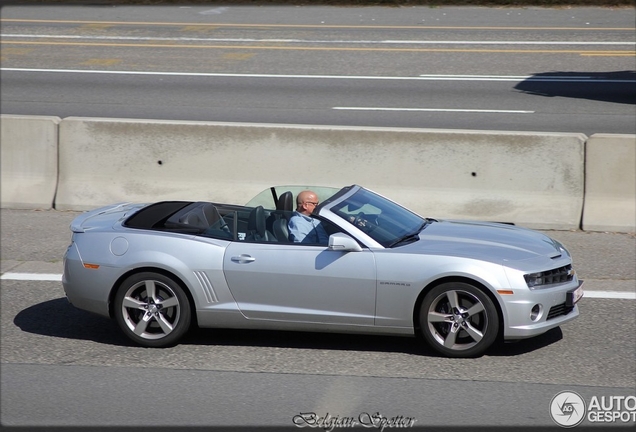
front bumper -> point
(555, 308)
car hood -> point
(485, 241)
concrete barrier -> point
(532, 179)
(29, 161)
(610, 183)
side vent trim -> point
(208, 289)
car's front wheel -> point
(152, 310)
(458, 320)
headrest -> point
(285, 202)
(256, 221)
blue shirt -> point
(305, 229)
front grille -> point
(559, 310)
(558, 275)
(550, 277)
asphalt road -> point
(61, 366)
(531, 69)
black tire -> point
(152, 310)
(458, 320)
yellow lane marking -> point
(198, 28)
(98, 26)
(8, 52)
(17, 51)
(238, 56)
(603, 54)
(307, 26)
(101, 62)
(297, 48)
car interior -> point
(222, 221)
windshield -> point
(381, 219)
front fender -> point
(401, 283)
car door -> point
(301, 283)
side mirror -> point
(342, 242)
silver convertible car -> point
(159, 269)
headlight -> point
(533, 279)
(549, 277)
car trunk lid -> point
(103, 217)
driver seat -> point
(277, 220)
(281, 232)
(256, 228)
(285, 202)
(284, 207)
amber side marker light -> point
(505, 292)
(91, 266)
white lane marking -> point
(541, 78)
(32, 277)
(579, 79)
(610, 294)
(433, 110)
(312, 41)
(625, 295)
(215, 11)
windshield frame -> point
(401, 221)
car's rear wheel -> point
(458, 320)
(152, 310)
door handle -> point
(243, 258)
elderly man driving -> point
(302, 227)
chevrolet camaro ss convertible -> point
(160, 268)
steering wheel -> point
(359, 220)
